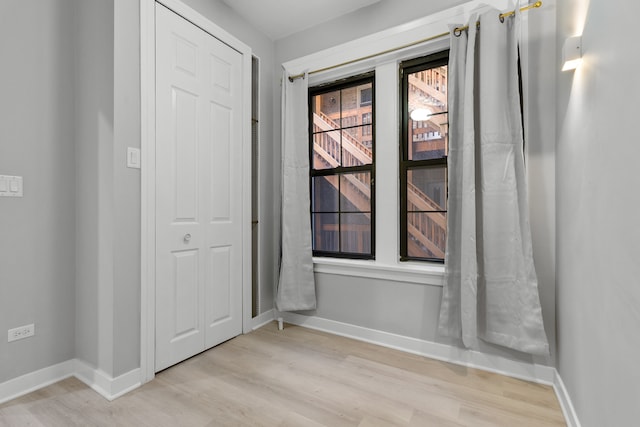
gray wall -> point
(93, 40)
(368, 20)
(412, 310)
(598, 212)
(539, 75)
(126, 187)
(107, 121)
(37, 232)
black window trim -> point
(408, 67)
(356, 80)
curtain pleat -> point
(296, 287)
(491, 288)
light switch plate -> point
(10, 186)
(133, 158)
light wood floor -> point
(298, 377)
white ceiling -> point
(280, 18)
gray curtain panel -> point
(296, 287)
(491, 288)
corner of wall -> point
(570, 415)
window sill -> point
(407, 272)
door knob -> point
(187, 237)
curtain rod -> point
(457, 31)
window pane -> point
(427, 106)
(427, 189)
(326, 150)
(428, 139)
(355, 233)
(366, 94)
(426, 234)
(355, 192)
(356, 102)
(325, 232)
(349, 118)
(351, 132)
(323, 123)
(324, 194)
(349, 106)
(354, 152)
(327, 105)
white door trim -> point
(148, 171)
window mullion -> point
(387, 169)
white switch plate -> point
(133, 158)
(21, 332)
(10, 186)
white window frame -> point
(387, 265)
(358, 81)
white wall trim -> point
(473, 359)
(147, 193)
(108, 387)
(570, 415)
(423, 274)
(262, 319)
(32, 381)
(147, 106)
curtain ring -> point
(501, 17)
(457, 32)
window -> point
(366, 96)
(423, 158)
(341, 120)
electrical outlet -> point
(21, 332)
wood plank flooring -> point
(298, 377)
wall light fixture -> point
(572, 53)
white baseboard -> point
(526, 371)
(447, 353)
(262, 319)
(570, 415)
(110, 388)
(32, 381)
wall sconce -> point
(572, 53)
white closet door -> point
(198, 190)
